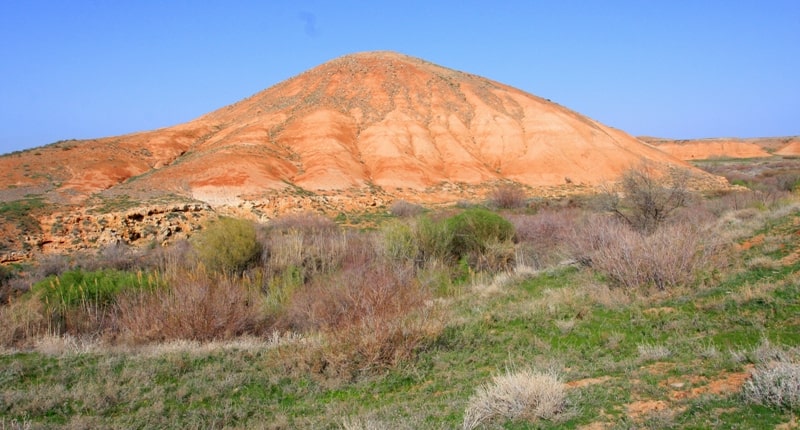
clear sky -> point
(673, 68)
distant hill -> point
(702, 149)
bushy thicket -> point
(671, 256)
(368, 290)
(228, 245)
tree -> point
(645, 200)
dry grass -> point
(652, 351)
(523, 394)
(22, 321)
(776, 384)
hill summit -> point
(367, 121)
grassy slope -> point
(670, 361)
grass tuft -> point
(523, 394)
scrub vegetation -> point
(531, 314)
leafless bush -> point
(508, 196)
(118, 256)
(747, 199)
(525, 394)
(172, 259)
(674, 255)
(195, 306)
(306, 221)
(48, 265)
(369, 315)
(542, 236)
(644, 200)
(404, 209)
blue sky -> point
(678, 68)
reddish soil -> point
(362, 121)
(704, 149)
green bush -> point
(228, 245)
(399, 242)
(474, 229)
(433, 239)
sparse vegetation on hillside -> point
(690, 323)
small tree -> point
(645, 200)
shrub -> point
(507, 196)
(647, 200)
(195, 306)
(79, 302)
(473, 230)
(399, 242)
(404, 209)
(433, 238)
(542, 236)
(311, 252)
(306, 221)
(228, 245)
(674, 255)
(50, 265)
(775, 385)
(526, 394)
(368, 314)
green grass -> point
(104, 205)
(76, 287)
(564, 319)
(22, 213)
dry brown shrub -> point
(22, 321)
(371, 317)
(542, 236)
(673, 255)
(404, 209)
(195, 306)
(305, 221)
(508, 196)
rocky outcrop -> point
(85, 229)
